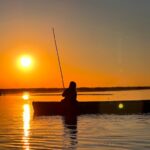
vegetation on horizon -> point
(80, 89)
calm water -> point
(19, 129)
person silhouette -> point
(70, 94)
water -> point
(19, 129)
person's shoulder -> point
(67, 90)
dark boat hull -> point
(103, 107)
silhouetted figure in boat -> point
(70, 103)
(70, 94)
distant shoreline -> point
(80, 89)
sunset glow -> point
(74, 74)
(96, 47)
(25, 61)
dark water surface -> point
(19, 129)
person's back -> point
(70, 94)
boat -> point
(92, 107)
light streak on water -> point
(26, 126)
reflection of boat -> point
(103, 107)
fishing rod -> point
(60, 68)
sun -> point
(25, 61)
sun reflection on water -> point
(26, 125)
(25, 96)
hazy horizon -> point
(100, 88)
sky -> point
(100, 42)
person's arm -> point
(64, 93)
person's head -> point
(72, 85)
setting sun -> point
(25, 61)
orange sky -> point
(99, 44)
